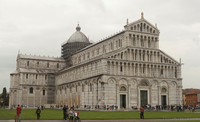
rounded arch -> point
(155, 83)
(112, 80)
(164, 83)
(123, 81)
(133, 82)
(173, 84)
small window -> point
(45, 77)
(26, 76)
(142, 42)
(121, 68)
(57, 65)
(175, 73)
(76, 88)
(143, 70)
(38, 63)
(36, 76)
(31, 90)
(121, 55)
(161, 72)
(119, 43)
(48, 64)
(140, 26)
(102, 86)
(43, 92)
(149, 44)
(134, 43)
(27, 63)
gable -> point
(124, 54)
(142, 25)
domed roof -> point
(78, 36)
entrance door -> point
(143, 98)
(163, 100)
(122, 101)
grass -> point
(182, 121)
(47, 114)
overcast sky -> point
(39, 27)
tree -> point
(4, 94)
(5, 97)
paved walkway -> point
(121, 120)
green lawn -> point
(57, 114)
(182, 121)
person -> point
(141, 113)
(76, 116)
(71, 114)
(67, 112)
(38, 111)
(19, 109)
(64, 112)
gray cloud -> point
(40, 27)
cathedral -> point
(125, 70)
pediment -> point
(142, 25)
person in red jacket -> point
(19, 109)
(38, 111)
(141, 113)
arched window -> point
(45, 77)
(140, 26)
(27, 63)
(175, 73)
(150, 30)
(26, 76)
(43, 92)
(149, 43)
(38, 63)
(121, 55)
(134, 43)
(57, 65)
(123, 88)
(121, 68)
(31, 90)
(142, 42)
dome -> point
(78, 36)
